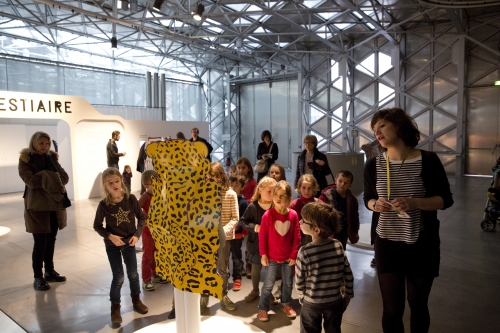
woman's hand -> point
(291, 262)
(117, 240)
(264, 260)
(257, 228)
(382, 205)
(133, 240)
(404, 204)
(265, 157)
(319, 162)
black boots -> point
(41, 284)
(53, 276)
(138, 305)
(116, 317)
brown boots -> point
(138, 305)
(116, 317)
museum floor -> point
(465, 298)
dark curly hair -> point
(407, 128)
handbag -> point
(262, 165)
(65, 201)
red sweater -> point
(279, 235)
(299, 203)
(249, 189)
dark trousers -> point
(342, 237)
(237, 258)
(43, 249)
(115, 254)
(311, 316)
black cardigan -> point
(319, 172)
(435, 183)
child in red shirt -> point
(148, 264)
(307, 187)
(279, 243)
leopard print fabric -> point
(184, 217)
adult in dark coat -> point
(263, 152)
(112, 154)
(313, 162)
(44, 213)
(194, 137)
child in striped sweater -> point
(321, 268)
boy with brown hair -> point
(321, 269)
(341, 198)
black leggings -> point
(392, 287)
(43, 250)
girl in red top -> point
(307, 187)
(244, 167)
(279, 243)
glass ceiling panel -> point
(384, 63)
(209, 21)
(237, 7)
(5, 24)
(241, 21)
(367, 66)
(343, 26)
(312, 3)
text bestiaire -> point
(24, 105)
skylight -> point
(342, 26)
(367, 66)
(236, 7)
(312, 3)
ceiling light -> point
(157, 5)
(114, 42)
(199, 12)
(239, 42)
(497, 83)
(124, 5)
(133, 6)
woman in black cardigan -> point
(263, 149)
(313, 162)
(404, 187)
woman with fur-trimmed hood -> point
(44, 212)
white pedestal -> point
(208, 325)
(4, 231)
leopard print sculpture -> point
(184, 217)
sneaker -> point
(148, 285)
(263, 316)
(203, 303)
(373, 263)
(290, 312)
(237, 285)
(159, 279)
(274, 300)
(243, 272)
(228, 303)
(252, 296)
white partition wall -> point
(81, 133)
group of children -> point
(294, 238)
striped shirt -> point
(230, 213)
(320, 270)
(405, 182)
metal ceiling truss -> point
(240, 41)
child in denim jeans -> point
(279, 242)
(120, 210)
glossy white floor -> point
(464, 298)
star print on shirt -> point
(121, 216)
